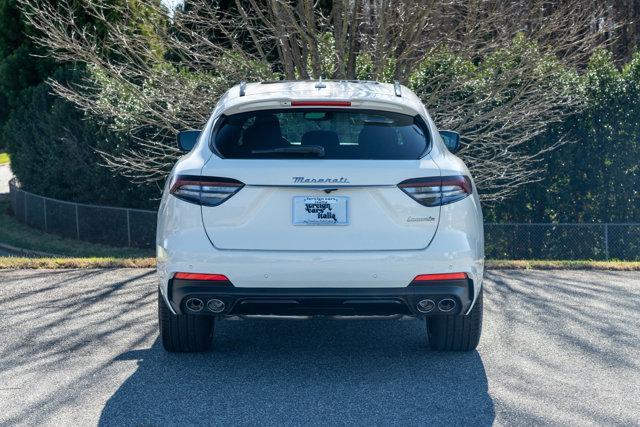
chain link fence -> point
(136, 227)
(91, 223)
(563, 241)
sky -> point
(171, 3)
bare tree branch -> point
(150, 81)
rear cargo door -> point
(320, 179)
(320, 205)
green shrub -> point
(596, 177)
(53, 152)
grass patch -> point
(4, 158)
(562, 265)
(54, 263)
(14, 233)
(150, 262)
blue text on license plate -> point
(320, 210)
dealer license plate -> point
(321, 210)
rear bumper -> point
(323, 301)
(182, 246)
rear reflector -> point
(200, 276)
(442, 276)
(321, 103)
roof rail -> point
(243, 88)
(397, 88)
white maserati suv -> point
(334, 198)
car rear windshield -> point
(321, 133)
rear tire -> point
(456, 333)
(184, 333)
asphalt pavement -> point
(80, 347)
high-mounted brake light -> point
(204, 190)
(441, 276)
(321, 103)
(439, 190)
(201, 276)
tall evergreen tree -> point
(20, 68)
(53, 145)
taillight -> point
(204, 190)
(436, 191)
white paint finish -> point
(261, 217)
(251, 238)
(279, 95)
(184, 248)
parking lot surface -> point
(81, 347)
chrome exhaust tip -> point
(215, 305)
(426, 305)
(446, 305)
(194, 304)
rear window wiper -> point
(306, 149)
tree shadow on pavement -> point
(560, 336)
(318, 371)
(81, 345)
